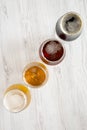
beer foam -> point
(52, 47)
(72, 24)
(15, 100)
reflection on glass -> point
(35, 74)
(16, 98)
(52, 52)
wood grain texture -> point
(62, 103)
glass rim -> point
(44, 59)
(43, 67)
(14, 87)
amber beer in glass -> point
(35, 74)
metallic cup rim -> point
(62, 20)
(61, 30)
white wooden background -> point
(62, 103)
